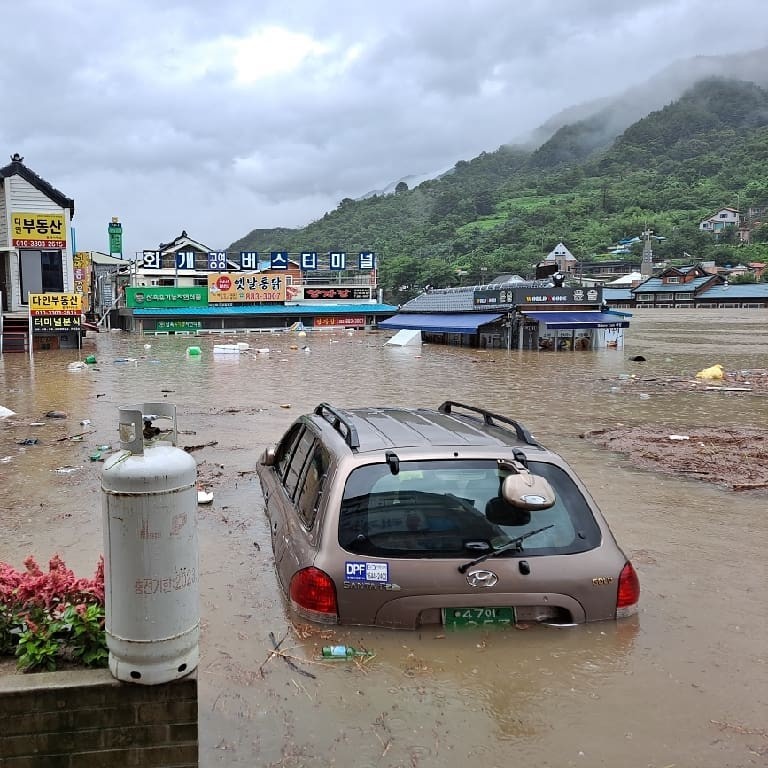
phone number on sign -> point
(40, 243)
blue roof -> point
(617, 294)
(565, 320)
(736, 291)
(655, 285)
(269, 309)
(466, 322)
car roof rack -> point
(340, 422)
(490, 419)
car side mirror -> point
(526, 491)
(268, 457)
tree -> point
(401, 187)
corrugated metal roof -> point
(271, 309)
(617, 294)
(455, 300)
(737, 291)
(655, 285)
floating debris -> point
(714, 372)
(699, 456)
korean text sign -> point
(227, 287)
(38, 230)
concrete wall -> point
(87, 719)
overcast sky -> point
(220, 117)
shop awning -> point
(465, 322)
(564, 320)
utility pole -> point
(646, 265)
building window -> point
(645, 296)
(672, 280)
(683, 297)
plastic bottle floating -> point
(344, 652)
(194, 352)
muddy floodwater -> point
(685, 683)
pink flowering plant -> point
(49, 617)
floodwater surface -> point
(685, 683)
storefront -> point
(190, 310)
(577, 331)
(36, 256)
(519, 315)
(465, 329)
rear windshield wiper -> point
(514, 544)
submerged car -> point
(398, 517)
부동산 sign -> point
(55, 312)
(157, 297)
(38, 230)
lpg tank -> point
(151, 564)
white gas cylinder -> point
(151, 563)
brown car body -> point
(389, 517)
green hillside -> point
(503, 211)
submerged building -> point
(513, 314)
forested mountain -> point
(504, 211)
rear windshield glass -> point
(454, 508)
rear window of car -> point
(453, 508)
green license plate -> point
(478, 617)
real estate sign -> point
(55, 312)
(38, 230)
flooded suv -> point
(404, 517)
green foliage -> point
(53, 616)
(83, 634)
(37, 646)
(505, 210)
(43, 638)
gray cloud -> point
(217, 118)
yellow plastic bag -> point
(714, 372)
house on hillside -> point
(717, 222)
(566, 261)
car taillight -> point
(313, 595)
(629, 592)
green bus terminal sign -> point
(115, 232)
(157, 297)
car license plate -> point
(478, 617)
